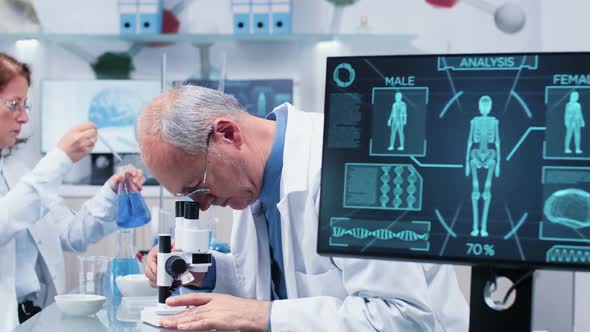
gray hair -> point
(185, 119)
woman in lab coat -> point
(35, 224)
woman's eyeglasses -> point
(16, 106)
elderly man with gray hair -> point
(201, 143)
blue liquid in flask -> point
(132, 211)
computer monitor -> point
(469, 158)
(258, 97)
(113, 105)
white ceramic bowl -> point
(79, 304)
(134, 285)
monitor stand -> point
(486, 314)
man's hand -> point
(218, 311)
(136, 178)
(151, 268)
(79, 141)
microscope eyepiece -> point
(179, 207)
(191, 210)
(165, 243)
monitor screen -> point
(474, 158)
(259, 97)
(113, 105)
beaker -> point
(93, 274)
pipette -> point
(110, 147)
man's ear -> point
(227, 131)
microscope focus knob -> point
(176, 266)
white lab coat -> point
(330, 294)
(32, 203)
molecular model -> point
(509, 17)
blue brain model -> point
(115, 107)
(569, 207)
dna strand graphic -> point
(568, 254)
(397, 181)
(384, 187)
(381, 234)
(411, 189)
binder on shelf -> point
(261, 16)
(140, 16)
(127, 17)
(150, 16)
(241, 19)
(280, 17)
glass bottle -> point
(125, 262)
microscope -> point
(191, 254)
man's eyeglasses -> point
(202, 191)
(16, 106)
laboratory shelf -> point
(205, 38)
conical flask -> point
(132, 211)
